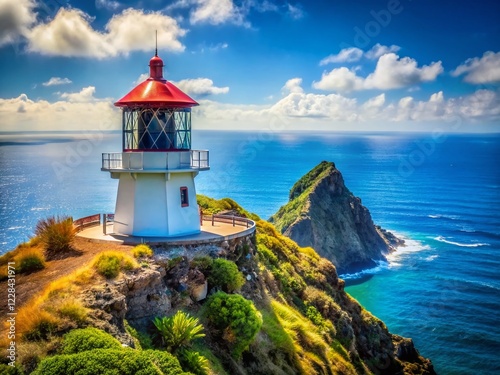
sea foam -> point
(443, 239)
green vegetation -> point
(142, 250)
(203, 263)
(226, 276)
(299, 195)
(235, 318)
(56, 234)
(110, 263)
(111, 362)
(214, 206)
(82, 340)
(30, 260)
(141, 339)
(194, 362)
(178, 331)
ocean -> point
(440, 192)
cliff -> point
(307, 323)
(324, 214)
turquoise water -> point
(441, 193)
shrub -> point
(30, 260)
(10, 370)
(90, 338)
(203, 263)
(111, 362)
(194, 362)
(36, 325)
(142, 250)
(73, 310)
(179, 330)
(56, 234)
(110, 263)
(225, 275)
(235, 318)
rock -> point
(197, 285)
(324, 214)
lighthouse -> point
(156, 168)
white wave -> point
(439, 216)
(443, 239)
(381, 265)
(411, 246)
(14, 228)
(431, 258)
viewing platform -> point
(215, 229)
(156, 161)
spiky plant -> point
(179, 330)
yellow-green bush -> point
(29, 260)
(142, 250)
(110, 263)
(225, 275)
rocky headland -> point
(324, 214)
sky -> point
(260, 65)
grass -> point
(29, 260)
(56, 234)
(141, 251)
(110, 263)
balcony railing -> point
(155, 161)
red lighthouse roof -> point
(156, 91)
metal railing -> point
(197, 159)
(112, 160)
(86, 221)
(229, 219)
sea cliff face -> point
(324, 214)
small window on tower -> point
(184, 196)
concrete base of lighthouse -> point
(156, 204)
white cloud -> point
(217, 12)
(16, 17)
(480, 70)
(345, 55)
(391, 72)
(200, 87)
(141, 78)
(340, 79)
(353, 54)
(86, 95)
(379, 50)
(70, 34)
(394, 72)
(295, 11)
(108, 4)
(293, 85)
(54, 81)
(24, 114)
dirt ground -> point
(31, 284)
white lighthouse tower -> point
(156, 170)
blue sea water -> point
(441, 193)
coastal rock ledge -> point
(322, 213)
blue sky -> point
(403, 65)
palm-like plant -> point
(179, 330)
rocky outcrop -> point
(322, 213)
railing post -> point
(233, 221)
(213, 216)
(104, 222)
